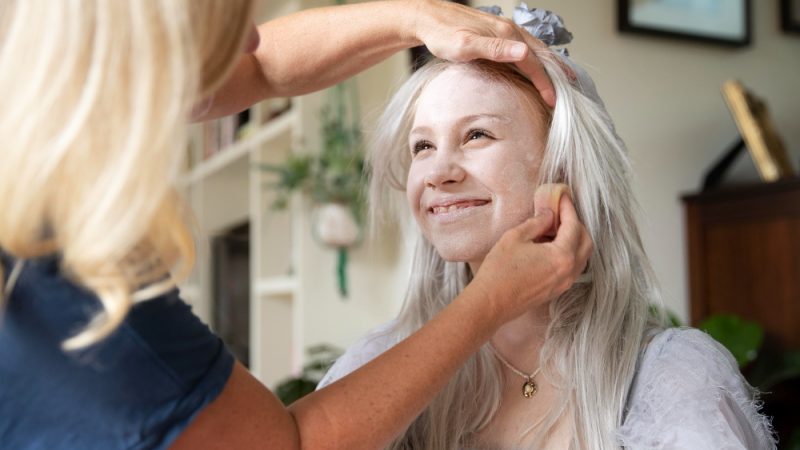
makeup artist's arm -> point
(317, 48)
(369, 407)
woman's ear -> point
(548, 196)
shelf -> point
(276, 286)
(269, 131)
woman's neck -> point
(521, 339)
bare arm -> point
(317, 48)
(368, 408)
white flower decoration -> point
(544, 25)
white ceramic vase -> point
(335, 225)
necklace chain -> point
(529, 387)
(514, 369)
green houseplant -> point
(333, 179)
(321, 359)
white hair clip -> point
(549, 28)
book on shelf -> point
(221, 134)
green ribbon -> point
(341, 271)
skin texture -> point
(362, 410)
(476, 147)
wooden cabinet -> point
(744, 256)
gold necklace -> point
(529, 387)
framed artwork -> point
(725, 22)
(790, 15)
(759, 135)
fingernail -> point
(517, 50)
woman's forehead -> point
(463, 90)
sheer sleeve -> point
(361, 352)
(689, 394)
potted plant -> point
(334, 179)
(321, 359)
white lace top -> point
(688, 394)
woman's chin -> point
(461, 255)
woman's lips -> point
(455, 206)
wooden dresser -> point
(744, 256)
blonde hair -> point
(98, 95)
(594, 339)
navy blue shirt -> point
(137, 389)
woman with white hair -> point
(97, 350)
(469, 144)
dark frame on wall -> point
(643, 17)
(790, 16)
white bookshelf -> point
(241, 150)
(294, 301)
(228, 189)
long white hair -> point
(593, 341)
(97, 96)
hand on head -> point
(526, 268)
(458, 33)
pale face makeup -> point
(476, 145)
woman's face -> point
(476, 145)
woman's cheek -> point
(414, 188)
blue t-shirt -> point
(137, 389)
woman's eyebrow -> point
(463, 121)
(473, 117)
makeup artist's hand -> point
(520, 272)
(459, 33)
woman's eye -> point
(420, 146)
(477, 134)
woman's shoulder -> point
(162, 363)
(688, 393)
(364, 350)
(689, 352)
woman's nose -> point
(446, 169)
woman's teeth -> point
(454, 207)
(444, 209)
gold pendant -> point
(529, 389)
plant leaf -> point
(742, 338)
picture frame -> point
(722, 22)
(790, 16)
(758, 133)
